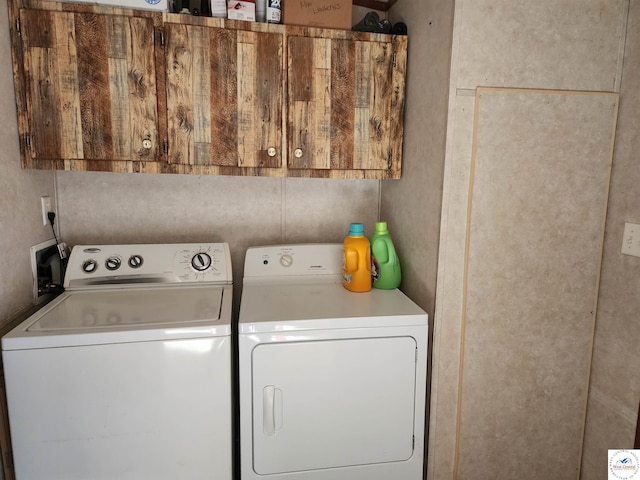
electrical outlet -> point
(631, 239)
(46, 208)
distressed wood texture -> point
(90, 90)
(112, 89)
(346, 106)
(224, 98)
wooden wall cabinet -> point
(110, 89)
(224, 95)
(87, 90)
(346, 106)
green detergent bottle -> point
(385, 265)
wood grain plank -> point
(161, 95)
(396, 132)
(20, 84)
(120, 115)
(300, 134)
(363, 82)
(269, 78)
(342, 103)
(201, 96)
(38, 29)
(115, 29)
(301, 90)
(93, 73)
(42, 96)
(321, 106)
(142, 87)
(246, 101)
(381, 62)
(70, 125)
(179, 94)
(43, 100)
(300, 67)
(224, 95)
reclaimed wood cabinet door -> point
(89, 89)
(224, 99)
(346, 106)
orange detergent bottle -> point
(356, 269)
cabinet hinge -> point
(27, 141)
(161, 37)
(165, 147)
(18, 26)
(394, 60)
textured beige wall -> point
(551, 45)
(571, 45)
(615, 374)
(20, 191)
(412, 205)
(243, 211)
(540, 181)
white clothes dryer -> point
(332, 383)
(127, 374)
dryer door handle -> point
(271, 410)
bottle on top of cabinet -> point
(385, 265)
(356, 269)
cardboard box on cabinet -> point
(318, 13)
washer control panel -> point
(104, 265)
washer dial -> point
(135, 261)
(89, 266)
(113, 263)
(201, 261)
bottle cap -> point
(356, 230)
(381, 227)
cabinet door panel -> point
(346, 104)
(90, 86)
(224, 96)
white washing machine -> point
(127, 374)
(332, 383)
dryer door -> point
(333, 403)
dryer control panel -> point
(116, 265)
(293, 260)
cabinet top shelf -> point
(381, 6)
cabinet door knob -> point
(271, 152)
(298, 153)
(146, 143)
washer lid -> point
(125, 315)
(277, 308)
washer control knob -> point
(89, 266)
(113, 263)
(135, 261)
(286, 260)
(201, 261)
